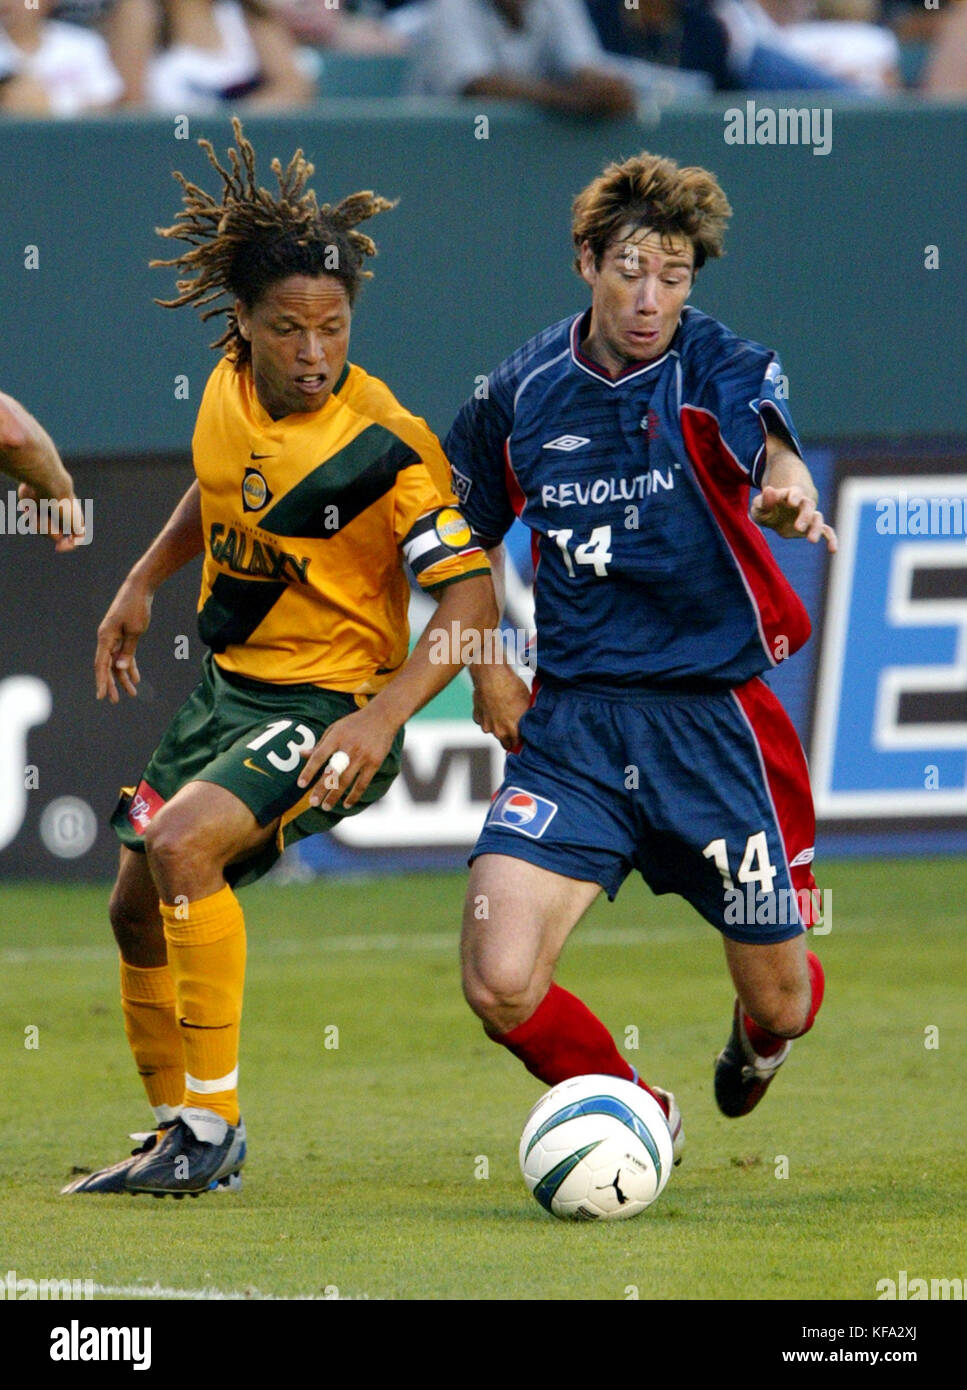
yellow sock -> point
(148, 1005)
(206, 954)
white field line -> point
(407, 944)
(158, 1291)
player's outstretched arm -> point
(500, 697)
(28, 454)
(466, 608)
(128, 617)
(788, 501)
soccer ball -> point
(596, 1148)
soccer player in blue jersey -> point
(627, 438)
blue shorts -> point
(706, 795)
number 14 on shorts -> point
(756, 866)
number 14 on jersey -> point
(596, 551)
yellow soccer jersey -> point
(306, 523)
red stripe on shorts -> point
(787, 777)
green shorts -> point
(247, 736)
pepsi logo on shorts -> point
(516, 809)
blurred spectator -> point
(912, 22)
(21, 95)
(57, 69)
(130, 28)
(218, 51)
(946, 74)
(734, 43)
(842, 37)
(544, 51)
(757, 57)
(327, 26)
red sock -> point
(562, 1038)
(765, 1043)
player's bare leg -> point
(780, 989)
(195, 835)
(147, 989)
(133, 910)
(517, 918)
(188, 844)
(148, 1007)
(772, 982)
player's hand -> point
(792, 514)
(65, 540)
(365, 739)
(500, 699)
(124, 623)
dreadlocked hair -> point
(250, 239)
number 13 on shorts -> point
(294, 748)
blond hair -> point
(649, 191)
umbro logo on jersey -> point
(567, 443)
(804, 856)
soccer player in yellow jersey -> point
(312, 486)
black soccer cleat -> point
(199, 1153)
(113, 1179)
(742, 1077)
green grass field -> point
(386, 1167)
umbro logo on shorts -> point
(805, 856)
(567, 442)
(516, 809)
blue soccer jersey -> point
(648, 570)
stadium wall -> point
(850, 263)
